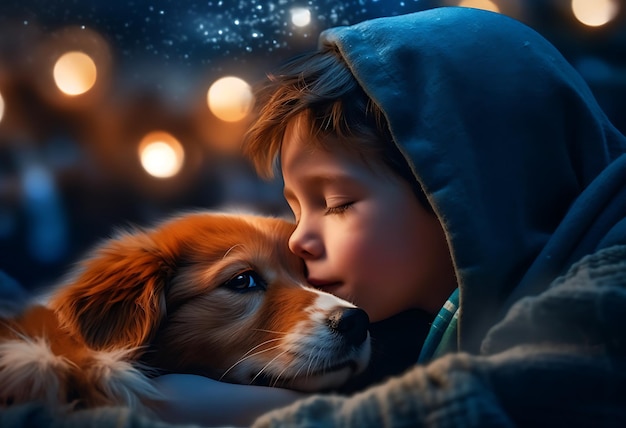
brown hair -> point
(319, 87)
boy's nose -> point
(304, 244)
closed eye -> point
(245, 282)
(339, 209)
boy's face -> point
(362, 233)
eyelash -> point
(338, 209)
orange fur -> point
(174, 299)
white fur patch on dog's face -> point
(319, 359)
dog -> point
(214, 294)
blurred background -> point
(122, 112)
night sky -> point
(202, 33)
(246, 37)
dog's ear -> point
(116, 295)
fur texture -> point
(213, 294)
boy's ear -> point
(116, 297)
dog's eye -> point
(246, 281)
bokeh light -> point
(300, 16)
(595, 13)
(480, 4)
(161, 154)
(230, 98)
(1, 107)
(75, 73)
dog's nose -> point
(351, 323)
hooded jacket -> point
(528, 177)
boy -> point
(456, 147)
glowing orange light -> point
(1, 107)
(75, 73)
(161, 154)
(480, 4)
(230, 98)
(595, 13)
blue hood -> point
(520, 164)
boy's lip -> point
(322, 283)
